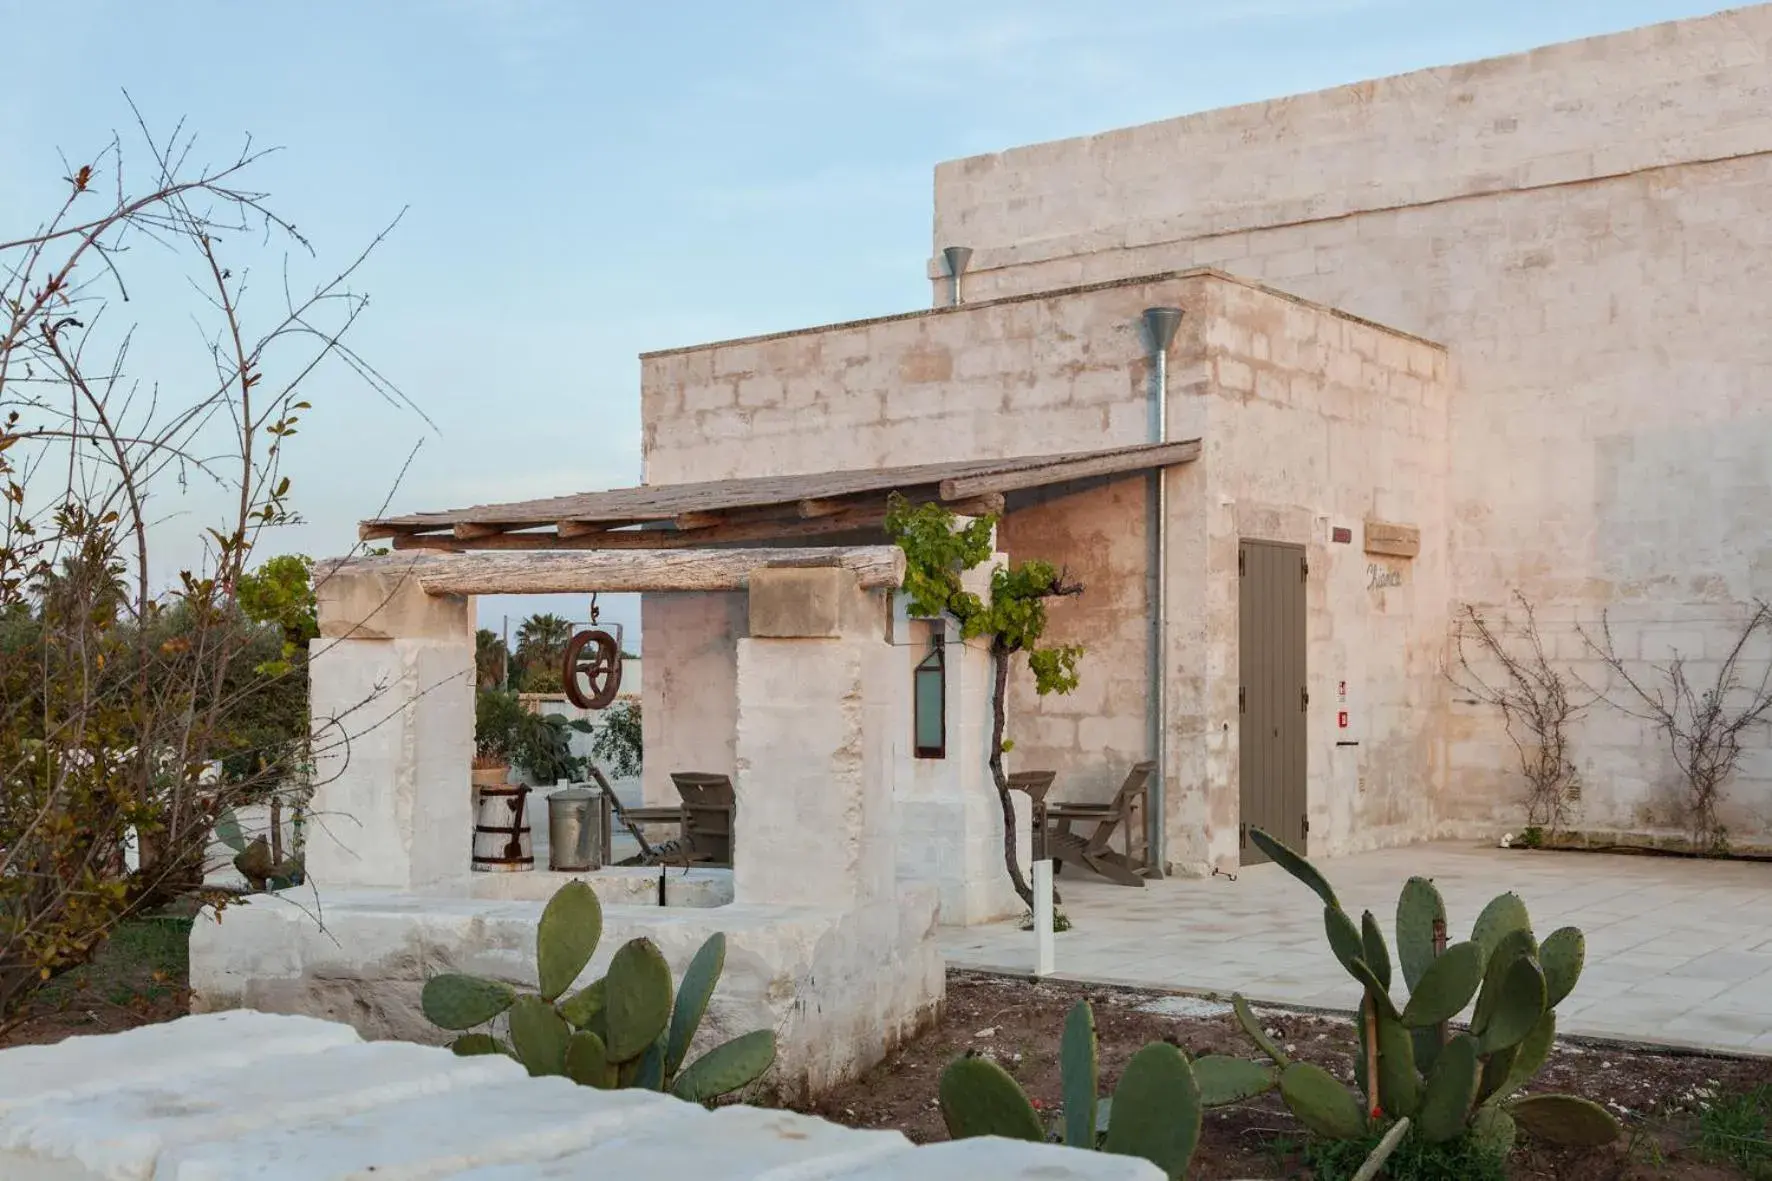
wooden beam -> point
(876, 567)
(699, 520)
(571, 529)
(468, 532)
(958, 487)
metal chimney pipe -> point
(1160, 325)
(957, 257)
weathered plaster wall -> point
(689, 704)
(1315, 420)
(1586, 227)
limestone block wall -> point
(1057, 371)
(1585, 227)
(1313, 420)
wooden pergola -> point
(762, 510)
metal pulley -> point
(592, 673)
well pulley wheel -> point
(593, 669)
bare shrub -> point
(1536, 703)
(119, 692)
(1702, 726)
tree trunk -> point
(1000, 667)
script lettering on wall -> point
(1393, 541)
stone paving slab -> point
(1679, 951)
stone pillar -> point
(392, 709)
(814, 824)
(950, 821)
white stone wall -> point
(1585, 227)
(216, 1098)
(688, 716)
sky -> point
(579, 182)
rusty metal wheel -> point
(593, 669)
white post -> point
(1043, 918)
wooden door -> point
(1272, 699)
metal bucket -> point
(501, 831)
(575, 830)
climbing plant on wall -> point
(937, 551)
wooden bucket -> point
(501, 830)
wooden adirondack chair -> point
(1094, 851)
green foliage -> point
(620, 1031)
(1155, 1112)
(541, 652)
(1462, 1089)
(543, 749)
(618, 742)
(936, 553)
(1737, 1130)
(281, 592)
(498, 722)
(1412, 1159)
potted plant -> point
(498, 724)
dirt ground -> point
(1019, 1022)
(139, 978)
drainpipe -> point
(1160, 325)
(958, 257)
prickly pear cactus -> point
(620, 1031)
(1442, 1085)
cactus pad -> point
(1519, 1003)
(585, 1004)
(1565, 1120)
(474, 1045)
(539, 1036)
(1492, 1128)
(637, 1002)
(1344, 937)
(1157, 1110)
(1562, 955)
(1251, 1026)
(1295, 865)
(978, 1098)
(1418, 909)
(1399, 1086)
(1374, 951)
(454, 1001)
(1224, 1080)
(1080, 1074)
(1506, 912)
(1451, 1089)
(1446, 987)
(1322, 1104)
(727, 1068)
(692, 999)
(587, 1061)
(571, 924)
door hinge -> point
(1304, 823)
(1304, 570)
(1243, 836)
(1242, 563)
(1304, 699)
(1242, 706)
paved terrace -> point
(1679, 951)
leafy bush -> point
(618, 742)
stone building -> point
(1497, 325)
(1444, 339)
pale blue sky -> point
(590, 180)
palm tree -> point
(541, 647)
(490, 659)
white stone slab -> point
(121, 1134)
(86, 1065)
(726, 1145)
(436, 1135)
(1184, 1006)
(989, 1158)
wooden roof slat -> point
(590, 518)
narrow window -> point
(930, 704)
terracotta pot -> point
(491, 776)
